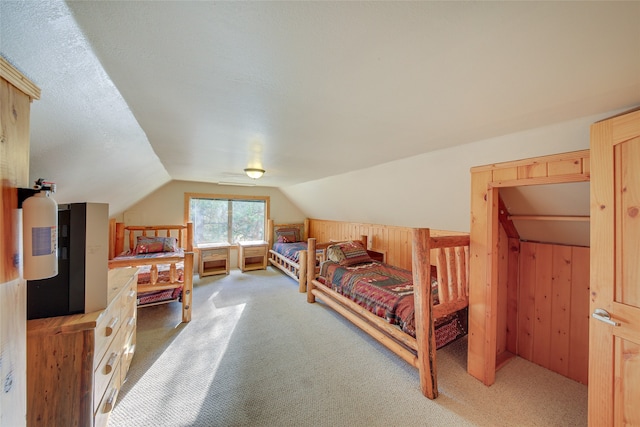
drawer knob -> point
(111, 399)
(110, 363)
(111, 326)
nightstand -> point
(252, 255)
(214, 259)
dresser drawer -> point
(106, 402)
(108, 367)
(257, 251)
(214, 256)
(127, 354)
(107, 327)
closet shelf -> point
(549, 217)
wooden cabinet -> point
(252, 255)
(213, 259)
(76, 364)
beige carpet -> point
(257, 354)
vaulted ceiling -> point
(137, 93)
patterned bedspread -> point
(290, 250)
(130, 255)
(144, 276)
(387, 292)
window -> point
(219, 219)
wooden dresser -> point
(76, 364)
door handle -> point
(604, 316)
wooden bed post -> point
(119, 247)
(269, 236)
(311, 269)
(189, 245)
(305, 232)
(187, 288)
(112, 238)
(425, 335)
(302, 274)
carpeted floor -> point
(257, 354)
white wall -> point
(166, 204)
(433, 189)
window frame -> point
(227, 197)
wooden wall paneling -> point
(579, 326)
(543, 307)
(526, 301)
(553, 308)
(533, 170)
(506, 174)
(503, 294)
(561, 310)
(16, 94)
(512, 295)
(565, 167)
(395, 242)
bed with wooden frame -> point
(446, 253)
(166, 274)
(291, 256)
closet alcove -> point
(529, 266)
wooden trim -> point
(541, 180)
(533, 161)
(17, 79)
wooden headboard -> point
(119, 234)
(272, 227)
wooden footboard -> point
(173, 283)
(450, 256)
(296, 270)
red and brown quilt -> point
(387, 292)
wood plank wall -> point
(394, 242)
(16, 94)
(553, 308)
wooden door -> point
(614, 346)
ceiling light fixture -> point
(254, 173)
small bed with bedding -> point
(288, 250)
(164, 256)
(412, 313)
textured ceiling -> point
(140, 92)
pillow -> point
(288, 235)
(286, 239)
(348, 253)
(148, 245)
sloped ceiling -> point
(541, 204)
(137, 93)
